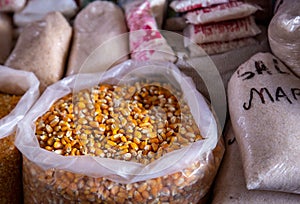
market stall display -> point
(119, 122)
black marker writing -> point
(261, 67)
(295, 92)
(280, 93)
(264, 95)
(260, 93)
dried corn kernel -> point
(138, 120)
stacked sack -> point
(6, 26)
(217, 26)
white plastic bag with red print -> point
(188, 5)
(145, 40)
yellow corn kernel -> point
(102, 127)
(123, 139)
(154, 140)
(82, 121)
(137, 134)
(136, 140)
(57, 145)
(68, 148)
(154, 147)
(134, 146)
(111, 143)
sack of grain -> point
(145, 40)
(284, 32)
(220, 47)
(36, 10)
(100, 24)
(264, 102)
(230, 185)
(189, 5)
(42, 48)
(18, 91)
(221, 12)
(138, 133)
(222, 31)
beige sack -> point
(264, 104)
(98, 25)
(230, 186)
(42, 48)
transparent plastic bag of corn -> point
(138, 133)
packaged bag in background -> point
(18, 91)
(264, 109)
(284, 32)
(222, 31)
(42, 48)
(36, 10)
(145, 40)
(11, 5)
(166, 149)
(101, 23)
(220, 47)
(188, 5)
(221, 12)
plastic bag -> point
(99, 24)
(264, 109)
(230, 186)
(36, 10)
(11, 5)
(180, 176)
(42, 48)
(188, 5)
(284, 32)
(19, 83)
(222, 31)
(145, 40)
(222, 12)
(220, 47)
